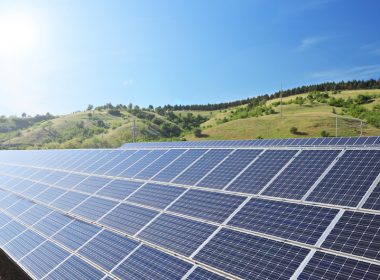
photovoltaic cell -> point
(327, 266)
(255, 177)
(23, 244)
(44, 258)
(52, 223)
(173, 169)
(356, 233)
(127, 162)
(201, 167)
(49, 195)
(9, 231)
(301, 174)
(177, 234)
(155, 195)
(251, 257)
(75, 234)
(94, 208)
(148, 263)
(349, 179)
(128, 218)
(203, 274)
(141, 164)
(107, 249)
(75, 268)
(69, 200)
(287, 220)
(92, 184)
(229, 168)
(70, 181)
(207, 205)
(159, 164)
(119, 189)
(373, 201)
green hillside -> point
(312, 114)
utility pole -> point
(361, 127)
(134, 131)
(336, 125)
(281, 101)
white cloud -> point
(309, 42)
(359, 72)
(127, 83)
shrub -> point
(324, 133)
(293, 130)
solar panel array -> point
(260, 209)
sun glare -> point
(19, 33)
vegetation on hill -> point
(313, 113)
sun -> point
(19, 33)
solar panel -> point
(349, 179)
(257, 175)
(302, 223)
(251, 209)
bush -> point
(197, 132)
(324, 133)
(293, 130)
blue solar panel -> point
(230, 167)
(301, 174)
(292, 221)
(373, 201)
(251, 257)
(109, 165)
(92, 184)
(69, 200)
(94, 208)
(44, 258)
(141, 163)
(356, 233)
(75, 268)
(255, 177)
(177, 234)
(107, 249)
(349, 179)
(159, 164)
(203, 274)
(52, 223)
(23, 244)
(70, 181)
(127, 162)
(173, 169)
(201, 167)
(128, 218)
(155, 195)
(327, 266)
(148, 263)
(9, 231)
(119, 189)
(207, 205)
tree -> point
(90, 107)
(324, 133)
(197, 132)
(23, 115)
(293, 130)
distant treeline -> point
(328, 86)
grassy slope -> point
(309, 119)
(63, 132)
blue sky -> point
(66, 54)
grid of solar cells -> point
(251, 257)
(203, 274)
(92, 184)
(292, 221)
(128, 218)
(206, 205)
(142, 163)
(23, 244)
(119, 189)
(229, 168)
(69, 200)
(327, 266)
(373, 201)
(75, 268)
(349, 179)
(356, 233)
(148, 263)
(52, 223)
(128, 161)
(256, 176)
(70, 181)
(94, 208)
(108, 165)
(34, 214)
(108, 249)
(44, 258)
(101, 161)
(9, 231)
(173, 169)
(301, 174)
(49, 195)
(159, 164)
(202, 167)
(177, 234)
(155, 195)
